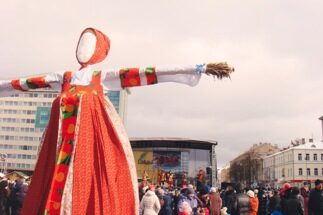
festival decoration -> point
(86, 165)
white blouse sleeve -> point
(51, 80)
(117, 79)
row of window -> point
(307, 157)
(17, 165)
(20, 138)
(22, 156)
(26, 112)
(15, 120)
(21, 103)
(36, 95)
(22, 129)
(18, 147)
(308, 171)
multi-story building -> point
(296, 164)
(247, 168)
(23, 119)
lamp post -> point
(3, 158)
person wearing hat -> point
(215, 202)
(294, 206)
(254, 203)
(150, 204)
(240, 204)
(190, 198)
(315, 202)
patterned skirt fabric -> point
(101, 176)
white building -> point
(23, 118)
(295, 164)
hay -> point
(220, 70)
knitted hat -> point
(287, 186)
(190, 191)
(213, 190)
(251, 194)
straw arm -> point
(219, 70)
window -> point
(299, 156)
(321, 157)
(315, 157)
(307, 157)
(316, 172)
(308, 170)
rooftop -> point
(171, 142)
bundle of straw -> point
(220, 70)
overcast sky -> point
(274, 96)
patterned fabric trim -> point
(69, 109)
(129, 77)
(123, 137)
(38, 82)
(29, 83)
(16, 85)
(66, 203)
(151, 76)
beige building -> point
(23, 119)
(225, 174)
(296, 164)
(247, 168)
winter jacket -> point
(274, 201)
(215, 204)
(315, 202)
(191, 202)
(229, 196)
(240, 205)
(167, 207)
(149, 204)
(254, 204)
(294, 206)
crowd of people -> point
(233, 200)
(191, 200)
(12, 195)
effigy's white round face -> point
(86, 47)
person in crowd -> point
(240, 204)
(254, 203)
(176, 198)
(190, 198)
(215, 202)
(315, 202)
(17, 196)
(185, 209)
(204, 202)
(305, 195)
(294, 206)
(165, 202)
(150, 204)
(285, 193)
(4, 196)
(263, 202)
(274, 200)
(228, 198)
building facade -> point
(23, 119)
(295, 164)
(247, 168)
